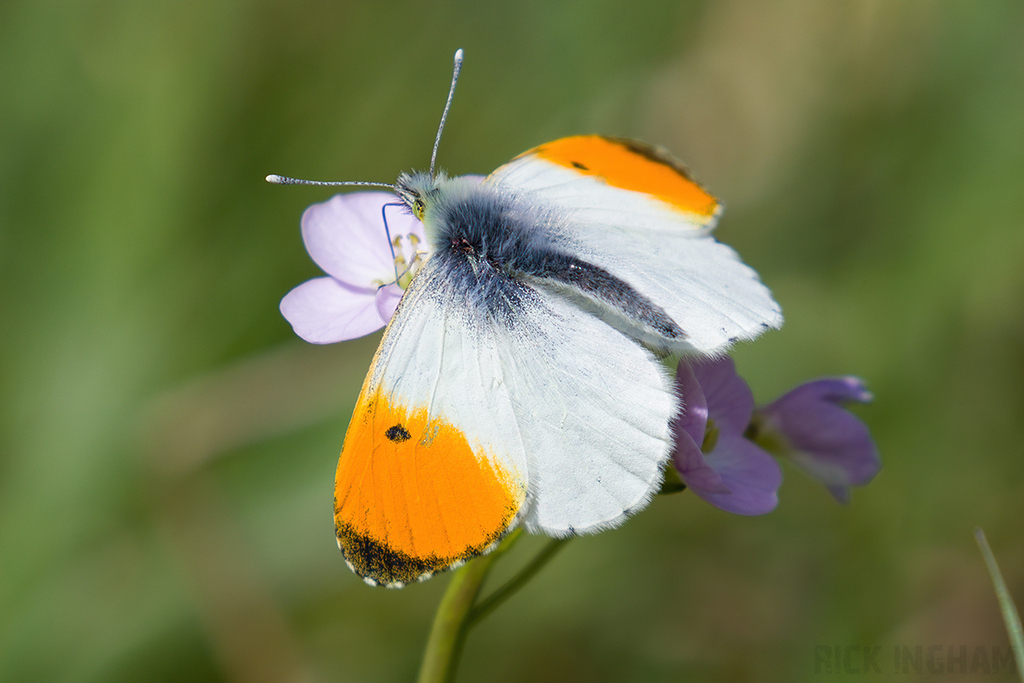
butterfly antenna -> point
(284, 180)
(447, 105)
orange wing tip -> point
(413, 497)
(379, 565)
(632, 165)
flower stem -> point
(500, 595)
(451, 623)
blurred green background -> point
(167, 446)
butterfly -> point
(520, 381)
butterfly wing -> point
(432, 471)
(490, 403)
(633, 211)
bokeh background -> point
(167, 446)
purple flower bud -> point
(810, 426)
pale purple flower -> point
(810, 426)
(712, 456)
(345, 236)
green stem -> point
(451, 623)
(1010, 616)
(500, 595)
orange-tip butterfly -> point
(519, 382)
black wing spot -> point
(580, 166)
(398, 434)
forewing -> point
(433, 471)
(632, 210)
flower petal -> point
(824, 439)
(694, 470)
(325, 311)
(730, 401)
(688, 428)
(750, 474)
(386, 301)
(694, 416)
(345, 236)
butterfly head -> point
(418, 191)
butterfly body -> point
(494, 241)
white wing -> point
(662, 248)
(544, 386)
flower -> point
(810, 426)
(712, 456)
(345, 236)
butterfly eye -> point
(418, 207)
